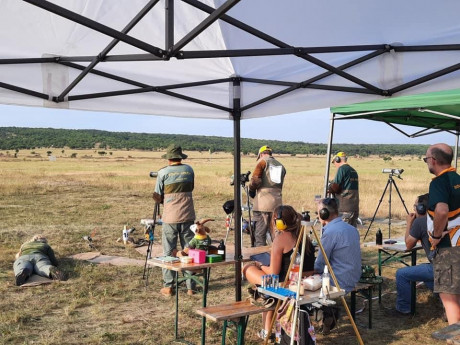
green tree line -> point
(18, 138)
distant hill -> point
(18, 138)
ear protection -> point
(420, 208)
(324, 213)
(279, 222)
(337, 159)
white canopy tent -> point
(223, 59)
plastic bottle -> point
(294, 275)
(125, 234)
(326, 281)
(221, 249)
(378, 237)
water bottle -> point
(125, 234)
(378, 237)
(221, 249)
(294, 275)
(326, 281)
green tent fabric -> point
(435, 110)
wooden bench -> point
(365, 289)
(229, 312)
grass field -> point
(68, 198)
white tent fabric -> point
(28, 31)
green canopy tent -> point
(434, 112)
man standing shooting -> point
(346, 192)
(266, 188)
(443, 227)
(174, 187)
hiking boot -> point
(190, 292)
(166, 291)
(57, 274)
(22, 277)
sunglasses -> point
(425, 159)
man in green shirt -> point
(36, 256)
(174, 187)
(348, 194)
(443, 224)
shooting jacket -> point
(267, 180)
(175, 184)
(347, 178)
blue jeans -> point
(404, 276)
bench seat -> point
(238, 312)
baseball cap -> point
(340, 155)
(263, 149)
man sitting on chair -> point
(340, 241)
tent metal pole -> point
(169, 24)
(236, 113)
(328, 154)
(456, 150)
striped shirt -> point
(445, 188)
(175, 184)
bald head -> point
(438, 158)
(442, 153)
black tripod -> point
(390, 183)
(150, 231)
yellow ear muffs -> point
(279, 222)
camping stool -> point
(229, 312)
(365, 289)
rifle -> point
(150, 232)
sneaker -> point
(22, 277)
(57, 274)
(263, 333)
(393, 312)
(166, 291)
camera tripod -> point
(390, 183)
(150, 231)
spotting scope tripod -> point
(150, 233)
(391, 182)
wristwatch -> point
(436, 237)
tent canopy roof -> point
(434, 110)
(183, 58)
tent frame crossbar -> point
(174, 50)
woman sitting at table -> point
(286, 223)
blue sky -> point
(311, 126)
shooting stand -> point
(303, 238)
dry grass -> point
(70, 197)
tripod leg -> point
(400, 197)
(376, 210)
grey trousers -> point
(262, 227)
(33, 263)
(169, 236)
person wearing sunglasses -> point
(443, 224)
